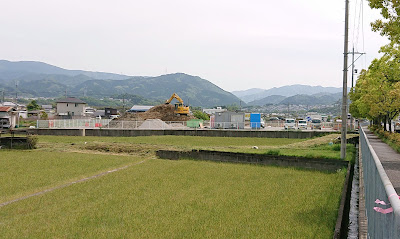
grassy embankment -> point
(161, 198)
(320, 147)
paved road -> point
(309, 129)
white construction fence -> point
(162, 125)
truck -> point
(290, 124)
(316, 124)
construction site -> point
(154, 118)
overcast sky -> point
(236, 45)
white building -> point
(8, 117)
(214, 111)
(71, 107)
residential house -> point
(47, 108)
(71, 107)
(8, 117)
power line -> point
(354, 21)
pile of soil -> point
(163, 112)
(154, 124)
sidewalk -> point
(389, 158)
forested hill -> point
(37, 79)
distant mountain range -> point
(38, 79)
(11, 70)
(292, 94)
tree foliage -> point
(377, 91)
(201, 115)
(376, 95)
(33, 105)
(390, 24)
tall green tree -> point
(390, 24)
(377, 92)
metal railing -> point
(378, 186)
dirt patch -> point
(118, 148)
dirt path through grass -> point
(71, 183)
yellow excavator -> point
(180, 108)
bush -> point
(32, 141)
(201, 115)
(392, 139)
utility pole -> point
(123, 103)
(16, 92)
(352, 64)
(352, 68)
(343, 141)
(352, 78)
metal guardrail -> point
(378, 186)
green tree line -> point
(376, 95)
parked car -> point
(316, 124)
(290, 124)
(302, 124)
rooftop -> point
(71, 100)
(141, 108)
(5, 108)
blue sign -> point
(308, 118)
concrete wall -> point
(208, 133)
(14, 143)
(330, 165)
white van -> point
(290, 124)
(302, 124)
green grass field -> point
(161, 198)
(317, 147)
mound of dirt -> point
(154, 124)
(162, 112)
